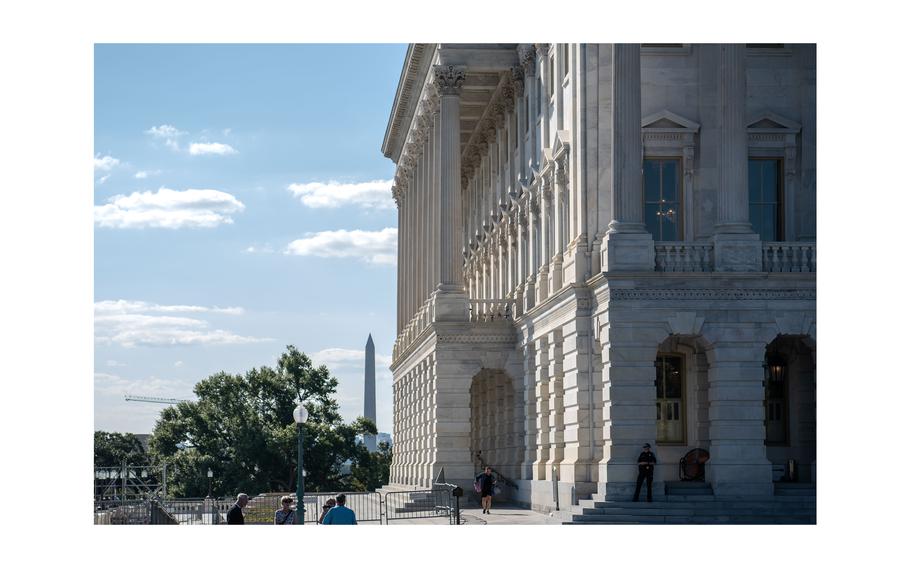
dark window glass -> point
(662, 196)
(776, 427)
(565, 59)
(765, 199)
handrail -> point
(484, 465)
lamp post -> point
(210, 476)
(300, 417)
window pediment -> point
(667, 130)
(769, 129)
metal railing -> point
(420, 504)
(368, 507)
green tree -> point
(242, 427)
(371, 470)
(113, 449)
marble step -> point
(688, 519)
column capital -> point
(518, 80)
(527, 56)
(448, 79)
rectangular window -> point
(565, 59)
(766, 199)
(670, 382)
(662, 196)
(552, 72)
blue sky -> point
(241, 204)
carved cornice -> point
(712, 294)
(448, 79)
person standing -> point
(285, 515)
(486, 482)
(235, 513)
(646, 461)
(339, 514)
(326, 508)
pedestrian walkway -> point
(499, 515)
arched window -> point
(671, 407)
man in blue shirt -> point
(339, 514)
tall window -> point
(671, 408)
(565, 59)
(775, 400)
(662, 199)
(765, 199)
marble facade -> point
(532, 299)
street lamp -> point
(300, 417)
(210, 475)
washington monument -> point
(369, 391)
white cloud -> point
(168, 208)
(105, 163)
(178, 363)
(144, 174)
(138, 307)
(375, 247)
(115, 385)
(165, 131)
(134, 323)
(217, 148)
(254, 249)
(113, 363)
(168, 133)
(375, 194)
(102, 179)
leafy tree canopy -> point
(113, 449)
(242, 427)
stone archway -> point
(790, 401)
(496, 422)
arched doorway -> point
(496, 423)
(681, 385)
(790, 408)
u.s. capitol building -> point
(602, 246)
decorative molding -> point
(711, 294)
(527, 55)
(518, 81)
(448, 79)
(463, 338)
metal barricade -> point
(418, 504)
(367, 506)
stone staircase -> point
(695, 503)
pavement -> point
(499, 515)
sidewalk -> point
(499, 515)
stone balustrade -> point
(788, 257)
(415, 327)
(491, 310)
(673, 256)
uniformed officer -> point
(646, 461)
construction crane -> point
(155, 399)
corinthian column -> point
(451, 300)
(627, 245)
(736, 247)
